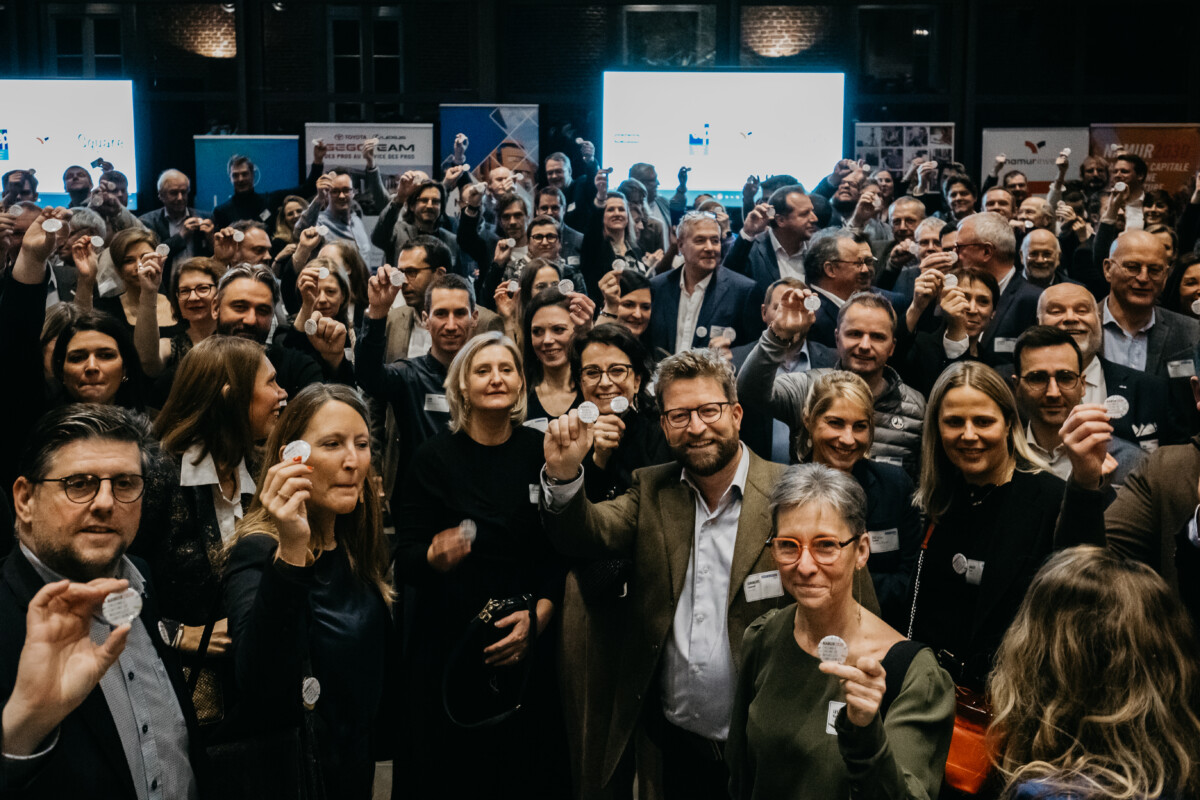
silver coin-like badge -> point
(513, 287)
(589, 412)
(238, 236)
(1028, 224)
(310, 327)
(833, 648)
(1196, 306)
(950, 282)
(397, 278)
(701, 331)
(323, 273)
(322, 231)
(619, 404)
(1116, 406)
(511, 242)
(310, 692)
(163, 250)
(297, 447)
(619, 265)
(959, 563)
(770, 212)
(566, 286)
(51, 225)
(97, 242)
(1066, 151)
(1119, 186)
(812, 302)
(953, 257)
(466, 529)
(121, 608)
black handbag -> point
(478, 695)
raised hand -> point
(368, 152)
(1086, 434)
(566, 444)
(448, 549)
(37, 244)
(381, 294)
(285, 489)
(793, 320)
(757, 220)
(330, 339)
(582, 311)
(59, 664)
(587, 150)
(606, 438)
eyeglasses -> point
(82, 488)
(708, 414)
(615, 372)
(544, 237)
(201, 291)
(824, 550)
(869, 261)
(1040, 379)
(958, 247)
(1134, 268)
(340, 192)
(412, 272)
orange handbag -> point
(968, 763)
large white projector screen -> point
(49, 125)
(724, 125)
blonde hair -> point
(360, 532)
(938, 475)
(833, 386)
(456, 379)
(1095, 688)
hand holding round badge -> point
(833, 648)
(812, 303)
(122, 608)
(397, 278)
(297, 448)
(589, 412)
(619, 404)
(950, 282)
(566, 286)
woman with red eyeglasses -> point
(831, 700)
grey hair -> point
(171, 173)
(824, 246)
(802, 484)
(995, 230)
(1041, 306)
(693, 218)
(84, 219)
(930, 223)
(906, 200)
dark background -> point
(255, 66)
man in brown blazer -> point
(696, 531)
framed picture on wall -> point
(669, 36)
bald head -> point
(1071, 308)
(1136, 270)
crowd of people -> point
(550, 486)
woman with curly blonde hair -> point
(1096, 686)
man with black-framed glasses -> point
(93, 707)
(986, 241)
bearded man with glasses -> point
(696, 530)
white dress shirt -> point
(1060, 465)
(689, 311)
(698, 676)
(204, 473)
(419, 341)
(1121, 347)
(1094, 387)
(1007, 279)
(790, 266)
(837, 301)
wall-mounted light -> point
(920, 31)
(229, 8)
(278, 6)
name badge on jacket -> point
(1003, 345)
(1183, 368)
(763, 586)
(437, 402)
(884, 541)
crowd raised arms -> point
(554, 486)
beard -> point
(703, 464)
(66, 562)
(844, 207)
(242, 331)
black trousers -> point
(694, 768)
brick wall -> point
(202, 29)
(792, 35)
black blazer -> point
(889, 493)
(1016, 311)
(731, 300)
(1150, 418)
(88, 760)
(157, 221)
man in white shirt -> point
(1047, 384)
(695, 530)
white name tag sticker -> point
(437, 402)
(570, 208)
(1002, 345)
(974, 571)
(572, 261)
(265, 215)
(831, 716)
(1149, 445)
(1183, 368)
(535, 493)
(884, 541)
(763, 586)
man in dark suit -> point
(770, 248)
(1152, 419)
(691, 299)
(986, 241)
(766, 436)
(838, 264)
(182, 228)
(81, 719)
